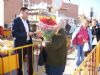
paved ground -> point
(70, 66)
(40, 70)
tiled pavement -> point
(70, 66)
(69, 69)
(40, 70)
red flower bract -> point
(48, 21)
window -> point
(25, 0)
(26, 3)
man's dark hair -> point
(23, 9)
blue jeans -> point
(79, 54)
(54, 70)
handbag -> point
(42, 56)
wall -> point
(69, 10)
(11, 8)
(1, 13)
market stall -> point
(8, 60)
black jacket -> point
(19, 33)
(57, 50)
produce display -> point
(4, 46)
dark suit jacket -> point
(19, 33)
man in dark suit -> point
(22, 36)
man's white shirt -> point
(26, 28)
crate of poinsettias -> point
(8, 62)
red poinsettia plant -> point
(48, 21)
(47, 25)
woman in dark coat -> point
(56, 52)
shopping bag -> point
(42, 57)
(94, 41)
(86, 47)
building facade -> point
(12, 8)
(1, 12)
(69, 10)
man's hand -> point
(30, 33)
(44, 44)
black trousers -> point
(29, 53)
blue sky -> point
(85, 6)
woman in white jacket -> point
(81, 36)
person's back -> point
(94, 29)
(57, 50)
(98, 32)
(67, 27)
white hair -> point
(61, 22)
